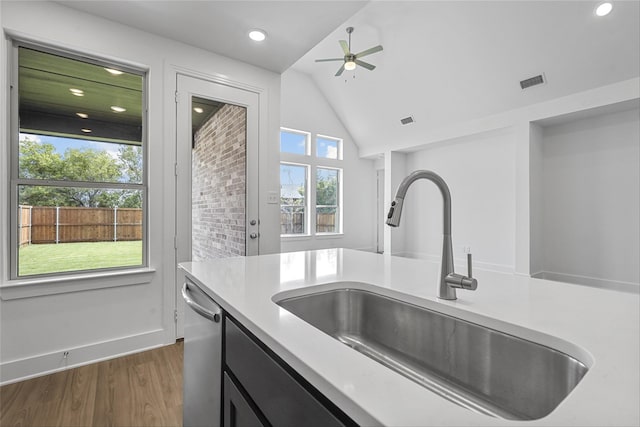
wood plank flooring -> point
(143, 389)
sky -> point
(61, 144)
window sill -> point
(329, 235)
(295, 237)
(320, 236)
(27, 288)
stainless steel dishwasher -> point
(202, 375)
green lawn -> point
(51, 258)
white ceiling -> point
(293, 27)
(448, 62)
(444, 62)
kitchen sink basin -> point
(479, 368)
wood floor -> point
(143, 389)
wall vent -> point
(407, 120)
(533, 81)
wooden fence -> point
(43, 224)
(293, 223)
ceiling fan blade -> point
(345, 46)
(369, 51)
(339, 73)
(329, 59)
(365, 64)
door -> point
(216, 175)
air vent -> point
(406, 120)
(533, 81)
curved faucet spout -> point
(449, 280)
(393, 219)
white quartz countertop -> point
(599, 327)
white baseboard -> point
(589, 281)
(31, 367)
(459, 263)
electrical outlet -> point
(272, 197)
(65, 354)
(466, 249)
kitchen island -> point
(601, 328)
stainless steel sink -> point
(479, 368)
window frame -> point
(313, 162)
(15, 181)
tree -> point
(326, 192)
(130, 160)
(42, 161)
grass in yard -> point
(52, 258)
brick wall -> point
(218, 185)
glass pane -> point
(327, 201)
(69, 229)
(67, 97)
(293, 142)
(327, 148)
(71, 159)
(293, 190)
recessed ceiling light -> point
(198, 110)
(604, 9)
(257, 35)
(117, 109)
(82, 115)
(114, 72)
(85, 130)
(76, 92)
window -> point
(327, 196)
(328, 148)
(294, 142)
(310, 184)
(78, 186)
(293, 199)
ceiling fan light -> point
(349, 65)
(257, 35)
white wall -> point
(36, 326)
(480, 173)
(590, 200)
(304, 107)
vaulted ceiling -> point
(444, 62)
(293, 27)
(448, 62)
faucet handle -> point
(456, 280)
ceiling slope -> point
(293, 27)
(449, 62)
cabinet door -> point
(237, 412)
(281, 398)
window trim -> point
(15, 181)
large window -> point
(310, 184)
(78, 186)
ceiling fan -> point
(350, 59)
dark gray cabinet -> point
(237, 412)
(264, 390)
